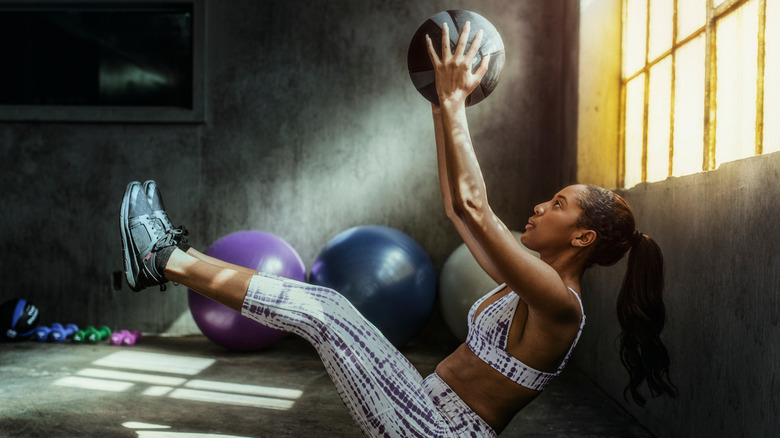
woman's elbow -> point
(450, 211)
(467, 209)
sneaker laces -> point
(180, 234)
(156, 227)
(167, 238)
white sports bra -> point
(487, 338)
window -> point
(101, 61)
(699, 80)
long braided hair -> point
(640, 306)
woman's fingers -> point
(460, 48)
(474, 45)
(483, 68)
(453, 70)
(431, 51)
(463, 39)
(445, 42)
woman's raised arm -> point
(446, 195)
(463, 186)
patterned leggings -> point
(384, 393)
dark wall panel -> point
(312, 127)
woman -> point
(521, 334)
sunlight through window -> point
(141, 425)
(164, 363)
(635, 111)
(691, 16)
(94, 384)
(635, 36)
(166, 434)
(111, 373)
(231, 399)
(688, 154)
(658, 129)
(266, 391)
(713, 90)
(132, 377)
(661, 22)
(736, 90)
(771, 138)
(143, 431)
(158, 391)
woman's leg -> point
(381, 389)
(383, 392)
(200, 256)
(379, 386)
(223, 284)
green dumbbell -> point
(96, 335)
(80, 336)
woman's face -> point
(554, 223)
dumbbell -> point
(91, 334)
(41, 333)
(59, 333)
(125, 337)
(96, 335)
(81, 335)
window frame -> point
(713, 15)
(132, 114)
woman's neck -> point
(569, 265)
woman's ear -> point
(584, 238)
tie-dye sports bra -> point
(487, 338)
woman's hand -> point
(454, 78)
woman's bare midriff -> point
(486, 391)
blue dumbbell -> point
(42, 333)
(60, 333)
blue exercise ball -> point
(385, 274)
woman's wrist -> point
(452, 102)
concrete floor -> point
(67, 390)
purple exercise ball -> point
(257, 250)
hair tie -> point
(637, 237)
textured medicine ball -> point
(421, 68)
(18, 319)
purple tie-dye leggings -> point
(384, 393)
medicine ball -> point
(419, 62)
(18, 319)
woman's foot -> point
(156, 203)
(148, 239)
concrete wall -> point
(719, 234)
(718, 231)
(312, 127)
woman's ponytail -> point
(640, 305)
(641, 313)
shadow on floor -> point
(191, 388)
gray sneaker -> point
(156, 203)
(143, 235)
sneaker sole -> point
(128, 249)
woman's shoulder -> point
(549, 298)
